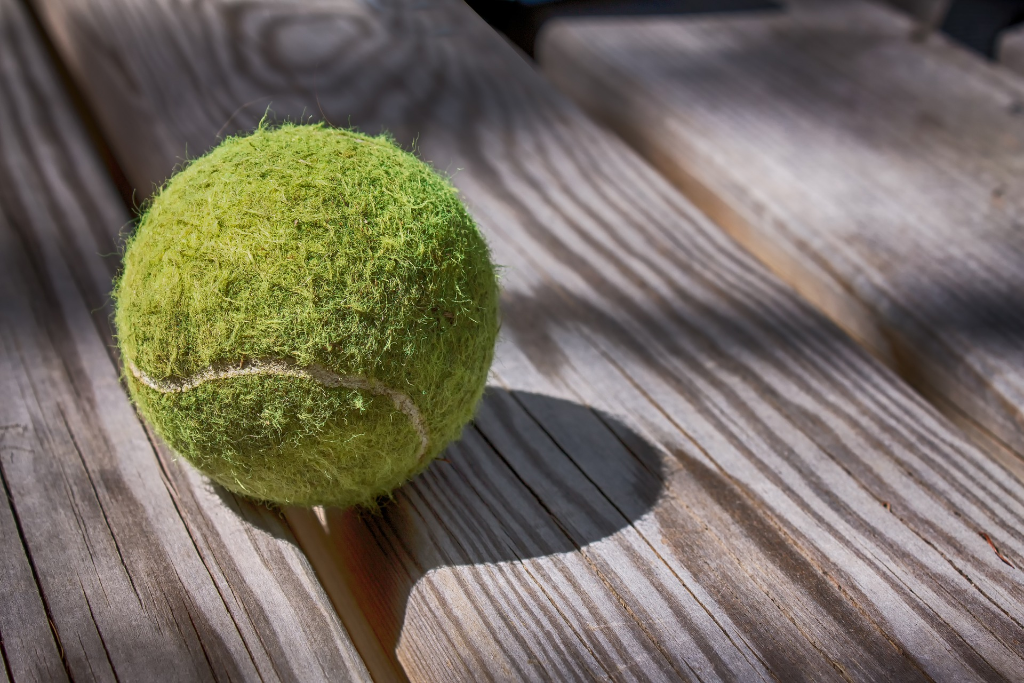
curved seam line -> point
(283, 368)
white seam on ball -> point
(283, 368)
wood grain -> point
(880, 176)
(146, 572)
(681, 471)
(28, 648)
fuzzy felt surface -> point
(320, 248)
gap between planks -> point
(888, 196)
(808, 512)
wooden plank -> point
(681, 471)
(881, 177)
(146, 572)
(1010, 50)
(26, 639)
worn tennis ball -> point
(307, 315)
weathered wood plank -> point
(146, 572)
(882, 177)
(682, 472)
(26, 640)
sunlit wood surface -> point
(681, 471)
(882, 176)
(117, 561)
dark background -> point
(974, 23)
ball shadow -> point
(532, 476)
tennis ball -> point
(307, 315)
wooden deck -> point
(682, 469)
(123, 563)
(882, 178)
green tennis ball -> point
(307, 315)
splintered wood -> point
(681, 471)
